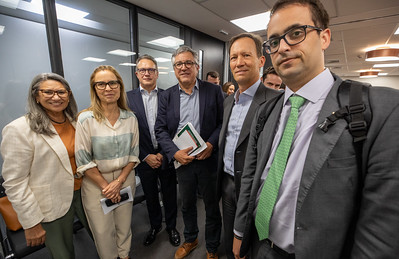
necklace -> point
(58, 121)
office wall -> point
(388, 81)
(213, 49)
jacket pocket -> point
(43, 197)
(345, 162)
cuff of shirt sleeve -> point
(80, 172)
(237, 233)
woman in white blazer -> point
(39, 166)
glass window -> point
(93, 33)
(23, 54)
(159, 40)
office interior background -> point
(72, 37)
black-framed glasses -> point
(113, 84)
(292, 37)
(150, 71)
(47, 93)
(188, 64)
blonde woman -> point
(107, 150)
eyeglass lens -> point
(102, 85)
(51, 93)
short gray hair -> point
(39, 121)
(183, 49)
(146, 56)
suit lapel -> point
(139, 104)
(259, 98)
(268, 133)
(176, 106)
(59, 148)
(202, 100)
(229, 103)
(321, 144)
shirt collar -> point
(315, 89)
(250, 92)
(195, 86)
(143, 90)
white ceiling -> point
(355, 24)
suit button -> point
(238, 151)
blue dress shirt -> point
(238, 113)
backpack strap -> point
(356, 111)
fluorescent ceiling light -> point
(2, 29)
(252, 23)
(121, 52)
(163, 73)
(387, 65)
(382, 74)
(64, 13)
(397, 31)
(162, 59)
(167, 42)
(94, 59)
(163, 67)
(128, 64)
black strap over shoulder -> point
(355, 109)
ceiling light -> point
(163, 67)
(369, 74)
(387, 65)
(383, 54)
(397, 31)
(64, 13)
(128, 64)
(121, 52)
(2, 29)
(163, 73)
(94, 59)
(382, 74)
(252, 23)
(167, 42)
(162, 60)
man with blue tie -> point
(144, 103)
(201, 103)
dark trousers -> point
(149, 180)
(229, 204)
(202, 175)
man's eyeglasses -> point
(187, 63)
(150, 71)
(292, 37)
(102, 85)
(51, 93)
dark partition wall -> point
(213, 50)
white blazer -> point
(38, 175)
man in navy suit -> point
(144, 103)
(200, 103)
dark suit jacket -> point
(145, 144)
(211, 116)
(343, 211)
(262, 95)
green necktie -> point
(273, 180)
